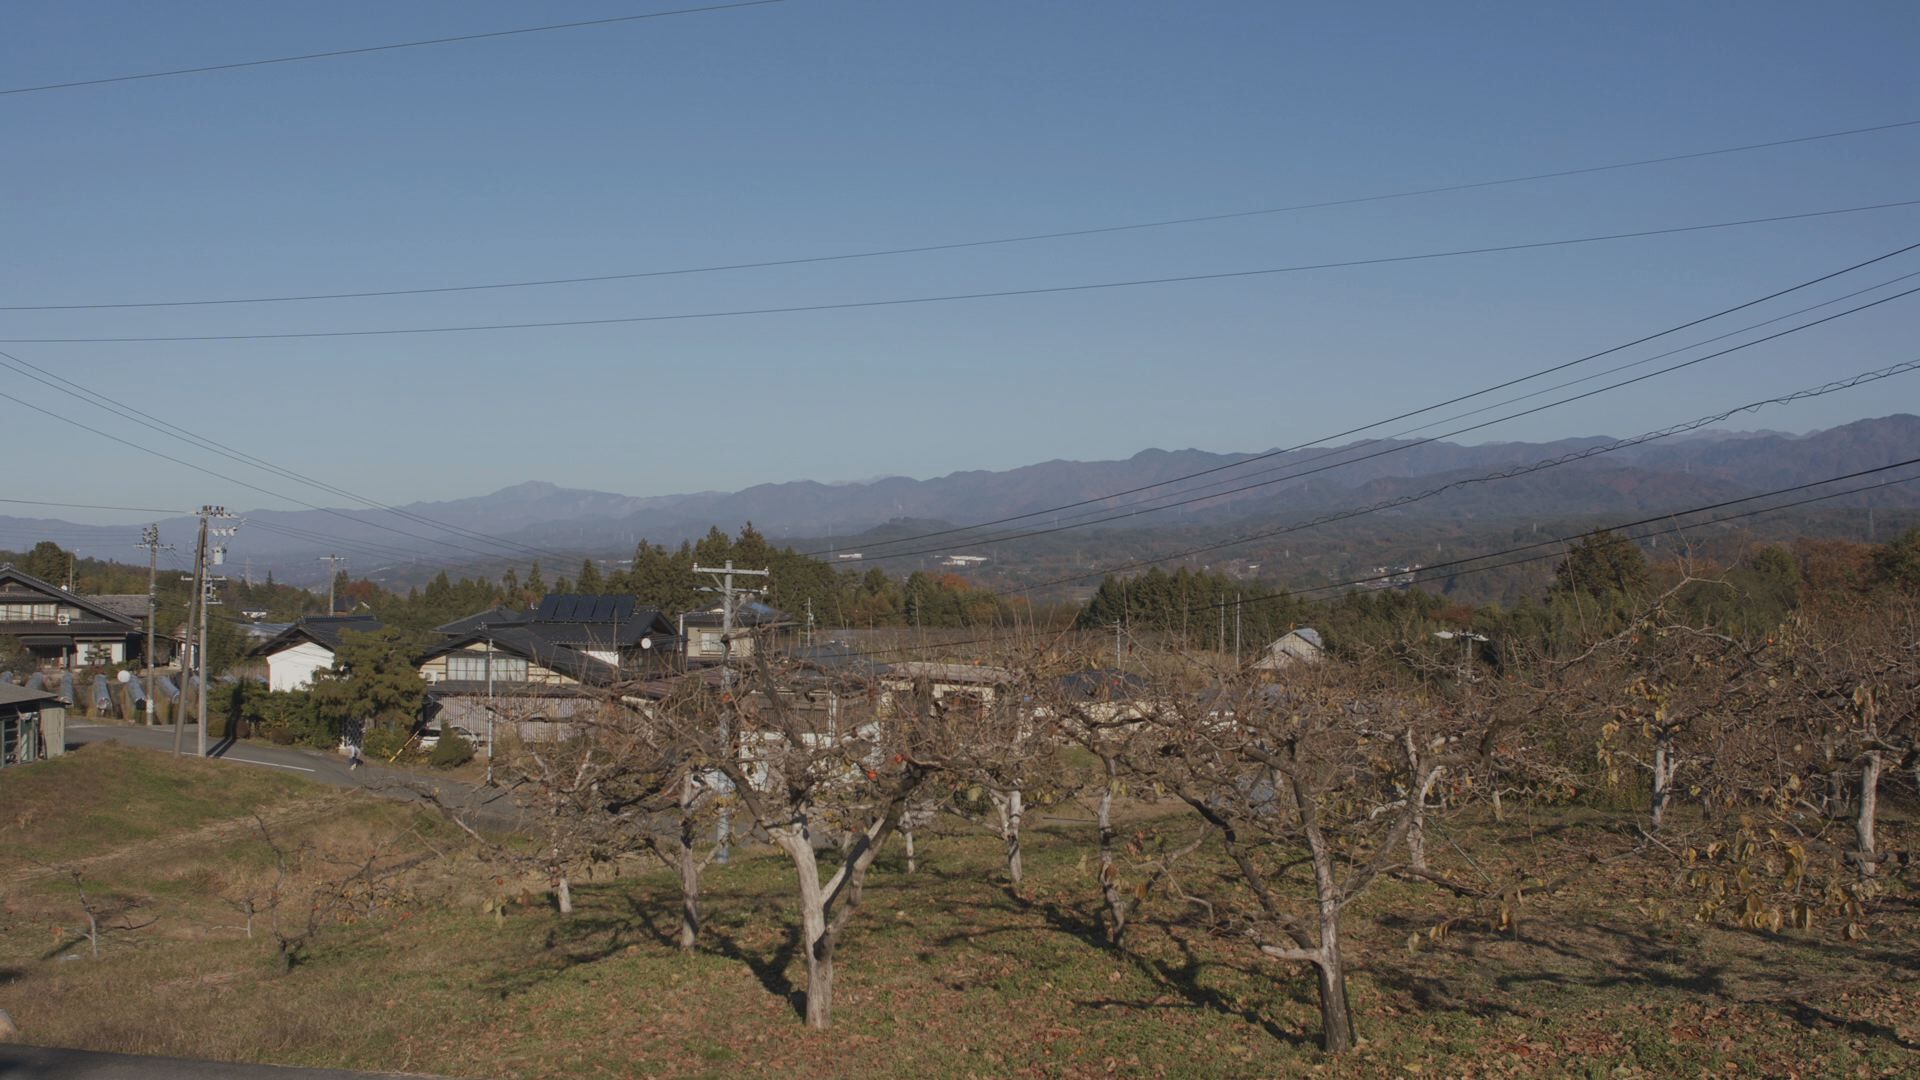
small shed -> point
(33, 725)
(1300, 646)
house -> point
(308, 646)
(536, 670)
(496, 616)
(569, 640)
(33, 725)
(950, 685)
(1301, 646)
(705, 634)
(61, 629)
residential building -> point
(296, 654)
(61, 629)
(950, 685)
(706, 641)
(537, 670)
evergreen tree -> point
(47, 561)
(373, 680)
(1601, 565)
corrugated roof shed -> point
(20, 695)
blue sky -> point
(816, 127)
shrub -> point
(451, 751)
(385, 736)
(283, 717)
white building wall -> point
(292, 668)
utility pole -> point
(150, 539)
(333, 573)
(214, 556)
(809, 622)
(203, 582)
(1236, 631)
(727, 590)
(1116, 648)
(193, 660)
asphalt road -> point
(49, 1063)
(486, 806)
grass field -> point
(944, 973)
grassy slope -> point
(103, 797)
(946, 975)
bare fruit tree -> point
(1307, 781)
(815, 775)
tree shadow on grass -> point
(591, 934)
(1811, 1016)
(771, 970)
(1184, 978)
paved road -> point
(49, 1063)
(487, 806)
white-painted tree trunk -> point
(1863, 822)
(1663, 769)
(1011, 806)
(1109, 869)
(825, 907)
(1417, 825)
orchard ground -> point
(943, 973)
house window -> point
(98, 652)
(710, 643)
(469, 668)
(27, 612)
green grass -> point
(944, 974)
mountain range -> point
(567, 523)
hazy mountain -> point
(565, 523)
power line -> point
(1669, 515)
(1573, 537)
(96, 506)
(1507, 474)
(955, 297)
(331, 53)
(148, 420)
(1402, 447)
(919, 249)
(358, 547)
(235, 480)
(1051, 510)
(1140, 506)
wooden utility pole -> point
(333, 573)
(727, 590)
(1236, 631)
(210, 557)
(197, 645)
(195, 656)
(150, 539)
